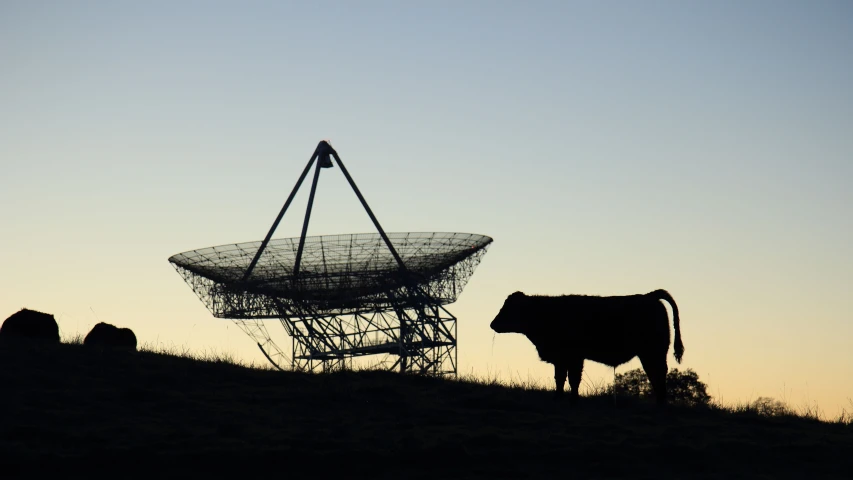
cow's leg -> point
(560, 370)
(656, 369)
(575, 372)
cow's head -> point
(511, 317)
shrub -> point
(681, 387)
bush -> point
(770, 407)
(681, 387)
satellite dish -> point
(340, 297)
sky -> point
(608, 148)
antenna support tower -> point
(340, 297)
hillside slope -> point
(68, 409)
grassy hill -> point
(74, 411)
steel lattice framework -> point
(341, 296)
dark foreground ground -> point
(75, 412)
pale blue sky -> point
(607, 147)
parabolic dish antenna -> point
(341, 296)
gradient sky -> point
(608, 147)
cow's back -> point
(31, 325)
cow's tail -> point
(677, 346)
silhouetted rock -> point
(30, 324)
(568, 329)
(107, 335)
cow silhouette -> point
(31, 325)
(110, 336)
(569, 329)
